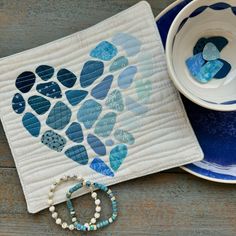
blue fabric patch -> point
(101, 90)
(105, 125)
(124, 136)
(66, 77)
(49, 89)
(96, 144)
(45, 72)
(91, 71)
(39, 104)
(74, 97)
(18, 103)
(115, 101)
(117, 156)
(135, 107)
(53, 140)
(78, 154)
(25, 81)
(89, 112)
(75, 133)
(195, 64)
(59, 116)
(104, 51)
(210, 52)
(31, 124)
(209, 70)
(128, 42)
(99, 166)
(126, 77)
(224, 71)
(118, 64)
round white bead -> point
(94, 195)
(50, 194)
(97, 202)
(50, 201)
(74, 219)
(97, 215)
(64, 225)
(52, 209)
(71, 227)
(98, 209)
(84, 182)
(53, 186)
(93, 220)
(54, 215)
(95, 227)
(110, 220)
(58, 221)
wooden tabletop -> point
(165, 204)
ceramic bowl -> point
(204, 19)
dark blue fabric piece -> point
(66, 77)
(39, 104)
(49, 89)
(75, 133)
(18, 103)
(31, 124)
(45, 72)
(25, 81)
(78, 154)
(96, 144)
(91, 71)
(75, 96)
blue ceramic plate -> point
(216, 131)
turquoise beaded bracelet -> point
(92, 226)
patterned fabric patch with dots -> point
(98, 103)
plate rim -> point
(185, 168)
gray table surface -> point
(168, 203)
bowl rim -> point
(173, 29)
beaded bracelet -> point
(52, 208)
(92, 225)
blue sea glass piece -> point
(109, 142)
(195, 64)
(91, 71)
(124, 136)
(135, 107)
(128, 42)
(18, 103)
(49, 89)
(75, 133)
(31, 124)
(75, 96)
(45, 72)
(89, 112)
(219, 41)
(66, 77)
(199, 46)
(126, 77)
(105, 125)
(39, 104)
(53, 140)
(118, 64)
(59, 116)
(78, 154)
(101, 90)
(25, 81)
(96, 144)
(104, 51)
(223, 72)
(117, 156)
(101, 167)
(210, 52)
(115, 101)
(209, 70)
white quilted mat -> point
(98, 103)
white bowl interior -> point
(207, 24)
